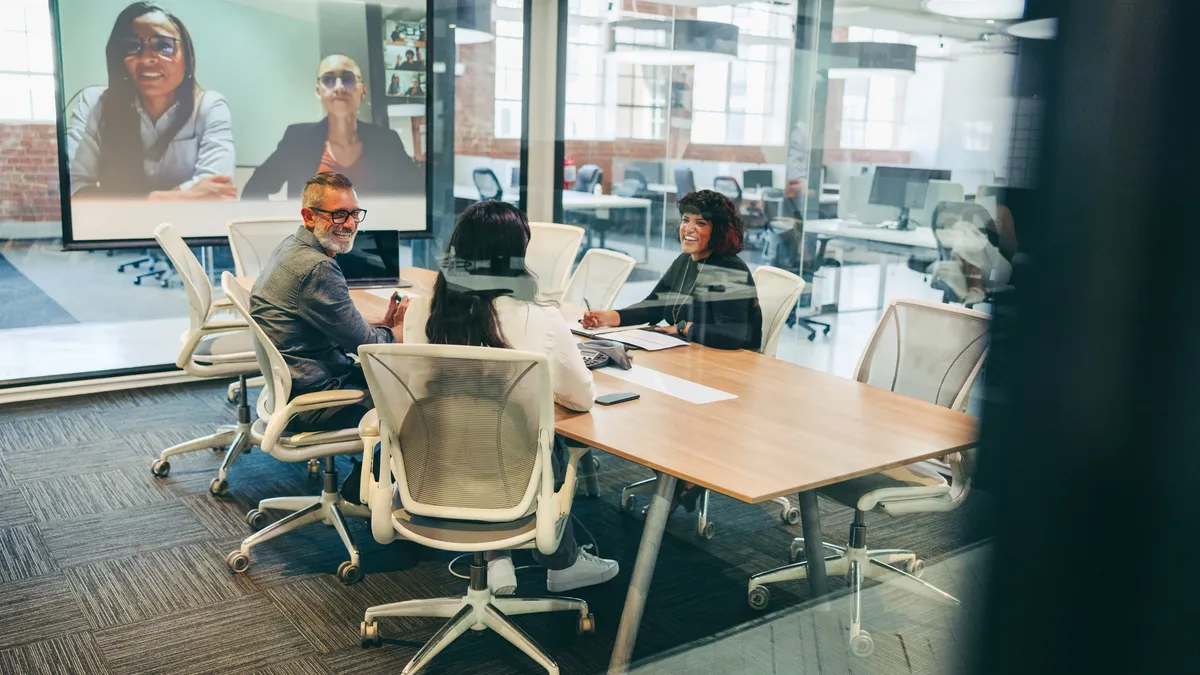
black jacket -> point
(383, 168)
(722, 303)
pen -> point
(587, 304)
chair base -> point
(478, 610)
(857, 564)
(238, 439)
(328, 508)
(705, 528)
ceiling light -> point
(1005, 10)
(671, 43)
(864, 59)
(472, 22)
(1038, 29)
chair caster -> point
(812, 337)
(791, 516)
(218, 487)
(349, 573)
(758, 597)
(826, 332)
(238, 562)
(369, 633)
(160, 468)
(796, 551)
(709, 530)
(915, 567)
(630, 504)
(862, 645)
(587, 624)
(256, 519)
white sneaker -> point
(502, 576)
(588, 570)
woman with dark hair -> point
(152, 132)
(394, 86)
(707, 295)
(484, 296)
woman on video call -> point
(152, 132)
(371, 156)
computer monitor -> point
(758, 178)
(374, 260)
(653, 171)
(939, 174)
(901, 187)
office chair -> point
(488, 185)
(275, 410)
(588, 178)
(637, 177)
(685, 182)
(969, 249)
(550, 255)
(598, 279)
(473, 474)
(772, 205)
(253, 240)
(728, 186)
(928, 351)
(211, 348)
(778, 291)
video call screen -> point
(198, 112)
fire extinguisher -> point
(569, 173)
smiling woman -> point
(152, 132)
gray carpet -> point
(105, 569)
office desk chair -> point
(685, 182)
(466, 432)
(972, 265)
(551, 254)
(275, 411)
(488, 184)
(728, 186)
(588, 178)
(598, 279)
(778, 290)
(253, 240)
(211, 348)
(928, 351)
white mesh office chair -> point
(274, 413)
(598, 279)
(467, 434)
(778, 290)
(938, 191)
(551, 254)
(211, 348)
(254, 239)
(928, 351)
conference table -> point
(772, 429)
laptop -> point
(374, 262)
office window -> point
(642, 93)
(508, 78)
(585, 83)
(26, 61)
(739, 103)
(869, 104)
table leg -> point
(643, 571)
(814, 550)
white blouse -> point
(533, 328)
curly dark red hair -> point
(716, 208)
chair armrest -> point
(558, 507)
(220, 305)
(368, 430)
(317, 400)
(190, 340)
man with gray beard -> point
(303, 304)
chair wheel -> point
(369, 633)
(630, 503)
(812, 337)
(915, 567)
(160, 468)
(587, 624)
(238, 562)
(218, 487)
(758, 597)
(256, 519)
(862, 645)
(826, 332)
(791, 516)
(708, 531)
(796, 551)
(349, 573)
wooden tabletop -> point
(790, 428)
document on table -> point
(667, 384)
(578, 329)
(649, 340)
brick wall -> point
(29, 173)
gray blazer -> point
(303, 304)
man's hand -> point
(394, 318)
(795, 188)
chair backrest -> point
(772, 201)
(277, 388)
(589, 177)
(636, 176)
(629, 188)
(778, 291)
(926, 350)
(472, 427)
(191, 272)
(939, 191)
(728, 186)
(487, 183)
(685, 181)
(598, 279)
(252, 241)
(551, 253)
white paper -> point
(671, 386)
(649, 340)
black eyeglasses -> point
(329, 80)
(161, 45)
(338, 217)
